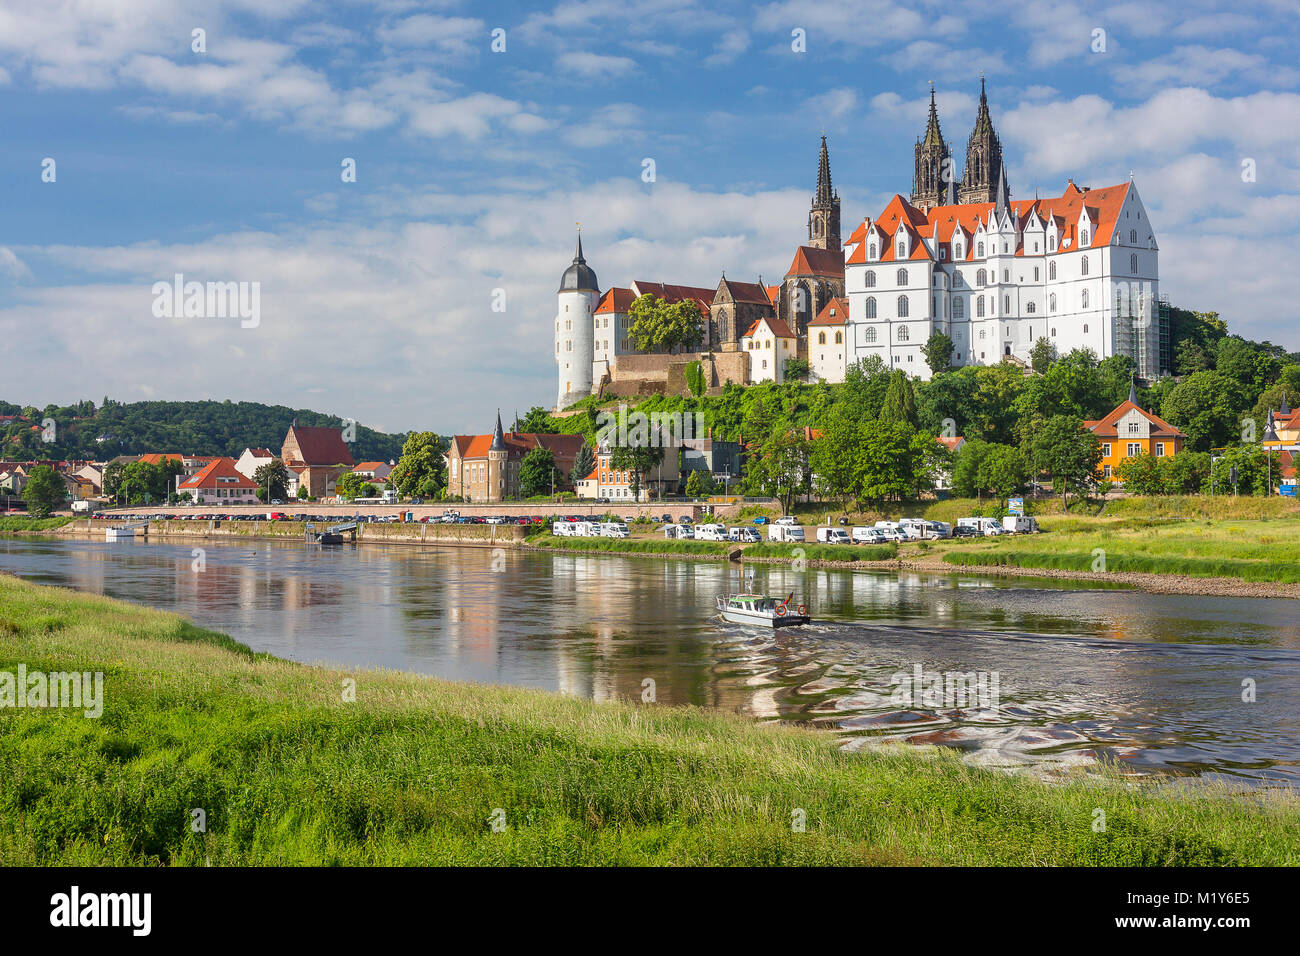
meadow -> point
(290, 768)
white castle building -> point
(1081, 269)
(958, 257)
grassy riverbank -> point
(413, 770)
(11, 523)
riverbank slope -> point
(288, 770)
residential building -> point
(617, 484)
(219, 482)
(253, 459)
(769, 343)
(486, 467)
(316, 456)
(374, 470)
(827, 348)
(1130, 431)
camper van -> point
(711, 532)
(784, 532)
(982, 526)
(861, 535)
(613, 529)
(1019, 524)
(833, 536)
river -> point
(1073, 674)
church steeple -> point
(983, 156)
(934, 165)
(824, 216)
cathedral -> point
(963, 259)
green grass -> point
(412, 771)
(823, 552)
(21, 523)
(666, 546)
(1249, 550)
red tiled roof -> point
(158, 459)
(615, 300)
(809, 261)
(1107, 427)
(519, 443)
(835, 312)
(321, 446)
(778, 327)
(747, 292)
(215, 469)
(773, 295)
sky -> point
(421, 295)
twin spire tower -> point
(934, 180)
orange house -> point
(1129, 431)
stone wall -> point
(641, 375)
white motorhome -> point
(938, 529)
(833, 536)
(784, 532)
(614, 529)
(711, 532)
(983, 526)
(1020, 524)
(861, 535)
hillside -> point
(83, 431)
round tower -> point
(575, 350)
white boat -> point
(758, 610)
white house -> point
(826, 342)
(219, 483)
(1081, 269)
(769, 343)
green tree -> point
(638, 460)
(693, 485)
(1141, 475)
(1042, 354)
(537, 473)
(1254, 467)
(1002, 471)
(421, 471)
(44, 491)
(350, 485)
(797, 370)
(938, 351)
(1206, 407)
(274, 475)
(583, 464)
(537, 421)
(899, 406)
(1071, 454)
(1186, 473)
(657, 325)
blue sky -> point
(473, 166)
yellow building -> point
(1129, 431)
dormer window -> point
(1083, 238)
(902, 247)
(979, 250)
(1051, 243)
(871, 251)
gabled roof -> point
(321, 446)
(616, 299)
(370, 465)
(778, 327)
(260, 452)
(518, 443)
(211, 474)
(809, 261)
(1108, 427)
(835, 312)
(746, 292)
(158, 459)
(703, 298)
(774, 295)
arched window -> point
(902, 277)
(1053, 331)
(1133, 236)
(958, 310)
(979, 250)
(871, 307)
(871, 278)
(956, 251)
(1083, 238)
(979, 306)
(821, 338)
(902, 247)
(1133, 263)
(1083, 302)
(1051, 270)
(981, 278)
(839, 338)
(902, 333)
(902, 306)
(1031, 307)
(1051, 302)
(1085, 328)
(1008, 300)
(871, 251)
(981, 333)
(1051, 243)
(871, 335)
(1083, 266)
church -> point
(957, 257)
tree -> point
(938, 351)
(657, 325)
(796, 370)
(1253, 470)
(1186, 473)
(272, 477)
(1042, 355)
(45, 491)
(537, 421)
(1141, 475)
(1002, 471)
(1205, 406)
(695, 378)
(1070, 453)
(537, 473)
(583, 464)
(899, 406)
(778, 465)
(694, 487)
(421, 471)
(637, 460)
(350, 485)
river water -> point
(1072, 674)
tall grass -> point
(413, 770)
(823, 552)
(20, 523)
(667, 546)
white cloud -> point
(833, 103)
(593, 65)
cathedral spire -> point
(824, 216)
(983, 156)
(933, 135)
(934, 167)
(498, 439)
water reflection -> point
(1149, 682)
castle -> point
(957, 257)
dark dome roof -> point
(579, 277)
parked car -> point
(787, 521)
(760, 520)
